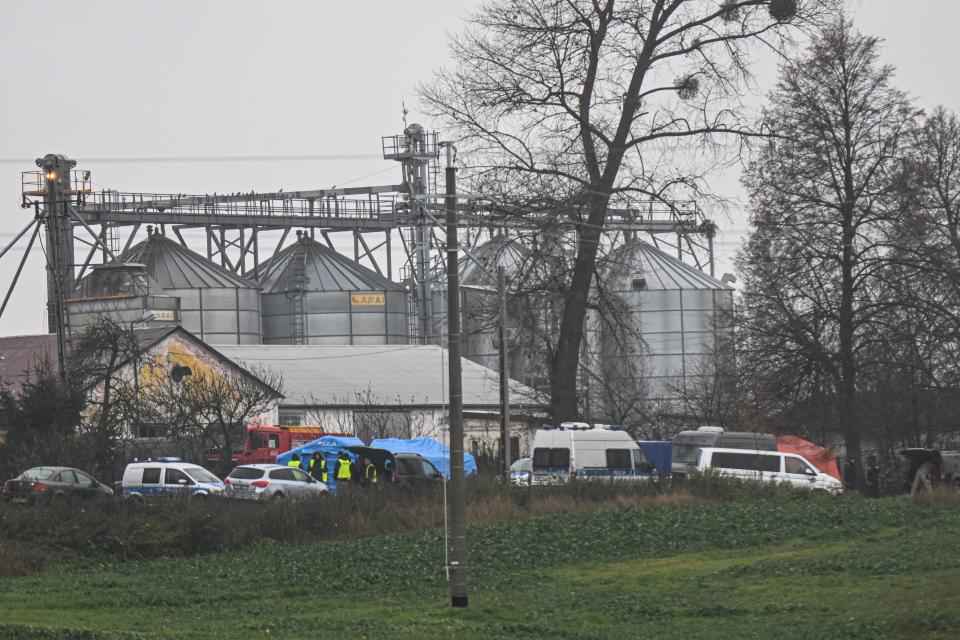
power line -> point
(174, 159)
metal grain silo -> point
(216, 305)
(659, 323)
(124, 293)
(313, 295)
(478, 277)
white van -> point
(767, 466)
(578, 451)
(687, 445)
(168, 477)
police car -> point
(168, 477)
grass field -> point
(810, 569)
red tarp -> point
(818, 456)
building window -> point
(290, 418)
(370, 425)
(151, 430)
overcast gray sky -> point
(124, 78)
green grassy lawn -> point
(810, 569)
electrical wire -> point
(251, 158)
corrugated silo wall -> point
(83, 313)
(221, 315)
(677, 338)
(338, 317)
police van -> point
(575, 450)
(168, 477)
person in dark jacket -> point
(371, 476)
(318, 467)
(850, 475)
(873, 477)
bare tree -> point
(208, 406)
(369, 416)
(97, 361)
(823, 197)
(569, 106)
(708, 393)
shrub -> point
(129, 530)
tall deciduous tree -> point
(823, 195)
(576, 105)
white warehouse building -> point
(376, 391)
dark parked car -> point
(48, 483)
(414, 469)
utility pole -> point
(504, 377)
(458, 552)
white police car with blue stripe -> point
(168, 477)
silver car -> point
(271, 482)
(520, 471)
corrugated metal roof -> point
(19, 355)
(116, 278)
(173, 266)
(325, 270)
(333, 375)
(661, 271)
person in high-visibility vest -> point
(370, 475)
(342, 471)
(318, 467)
(294, 461)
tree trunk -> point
(226, 451)
(563, 400)
(848, 367)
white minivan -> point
(767, 466)
(579, 451)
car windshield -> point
(37, 474)
(685, 453)
(201, 475)
(523, 464)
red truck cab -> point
(263, 443)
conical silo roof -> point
(638, 261)
(323, 270)
(117, 278)
(173, 266)
(480, 267)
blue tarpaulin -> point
(330, 447)
(660, 455)
(435, 452)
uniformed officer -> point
(342, 470)
(318, 466)
(370, 475)
(294, 462)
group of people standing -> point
(344, 470)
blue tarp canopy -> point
(329, 446)
(435, 452)
(660, 455)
